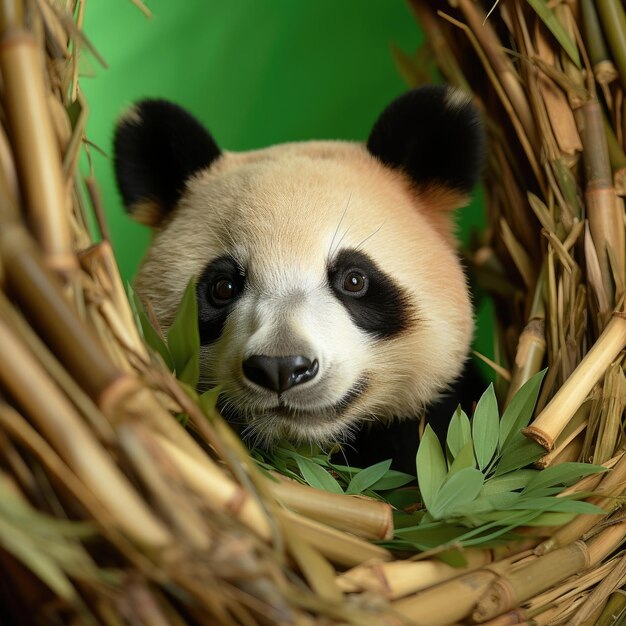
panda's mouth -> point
(290, 421)
(285, 409)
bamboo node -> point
(538, 435)
(116, 393)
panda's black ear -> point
(435, 135)
(157, 147)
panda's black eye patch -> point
(218, 287)
(375, 302)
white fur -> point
(283, 213)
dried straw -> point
(184, 529)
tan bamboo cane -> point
(598, 597)
(447, 603)
(554, 418)
(397, 579)
(34, 142)
(364, 517)
(509, 590)
(606, 216)
(39, 293)
(22, 377)
(612, 485)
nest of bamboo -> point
(111, 513)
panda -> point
(330, 294)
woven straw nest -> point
(111, 513)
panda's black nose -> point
(279, 373)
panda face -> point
(329, 292)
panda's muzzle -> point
(279, 373)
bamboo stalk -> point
(23, 377)
(24, 434)
(602, 544)
(531, 345)
(502, 65)
(317, 570)
(99, 261)
(603, 67)
(397, 579)
(36, 154)
(612, 484)
(512, 589)
(611, 410)
(364, 517)
(613, 20)
(613, 612)
(504, 97)
(100, 425)
(570, 589)
(554, 418)
(559, 112)
(40, 296)
(160, 478)
(617, 158)
(219, 492)
(340, 548)
(605, 219)
(433, 607)
(598, 597)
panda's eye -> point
(223, 291)
(355, 283)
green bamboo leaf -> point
(453, 557)
(487, 508)
(149, 333)
(519, 412)
(346, 469)
(552, 518)
(465, 458)
(508, 482)
(316, 476)
(431, 466)
(519, 454)
(367, 477)
(563, 505)
(474, 510)
(208, 400)
(183, 338)
(392, 480)
(35, 560)
(459, 432)
(504, 525)
(485, 427)
(431, 535)
(459, 490)
(403, 498)
(191, 372)
(553, 24)
(505, 500)
(564, 474)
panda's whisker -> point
(363, 241)
(341, 240)
(329, 254)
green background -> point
(256, 72)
